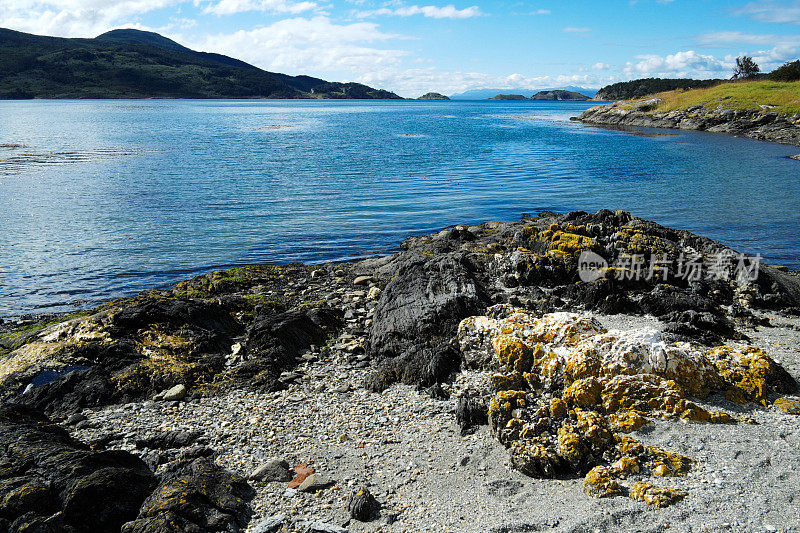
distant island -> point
(139, 64)
(555, 95)
(433, 96)
(486, 93)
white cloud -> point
(601, 66)
(771, 11)
(737, 37)
(680, 64)
(309, 46)
(445, 12)
(229, 7)
(541, 12)
(572, 29)
(75, 18)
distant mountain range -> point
(484, 94)
(139, 64)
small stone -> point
(322, 527)
(362, 280)
(176, 393)
(313, 483)
(269, 525)
(373, 293)
(272, 470)
(302, 471)
(74, 419)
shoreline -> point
(760, 125)
(380, 373)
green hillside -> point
(138, 64)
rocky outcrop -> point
(433, 96)
(50, 482)
(762, 125)
(197, 496)
(566, 391)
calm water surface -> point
(105, 198)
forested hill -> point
(626, 90)
(139, 64)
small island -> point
(433, 96)
(555, 95)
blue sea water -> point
(100, 199)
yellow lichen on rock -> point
(600, 483)
(790, 406)
(750, 372)
(627, 421)
(567, 390)
(650, 494)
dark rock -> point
(200, 496)
(416, 319)
(275, 341)
(362, 505)
(470, 412)
(437, 392)
(50, 482)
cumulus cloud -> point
(71, 18)
(771, 11)
(229, 7)
(680, 64)
(445, 12)
(309, 45)
(601, 66)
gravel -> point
(407, 450)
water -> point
(106, 198)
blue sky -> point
(412, 47)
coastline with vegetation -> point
(304, 398)
(762, 110)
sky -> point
(416, 46)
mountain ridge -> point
(129, 63)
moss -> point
(312, 304)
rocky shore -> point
(567, 372)
(762, 125)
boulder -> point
(198, 496)
(416, 319)
(51, 482)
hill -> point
(559, 96)
(138, 64)
(484, 94)
(626, 90)
(554, 95)
(433, 96)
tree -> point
(788, 72)
(745, 68)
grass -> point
(740, 96)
